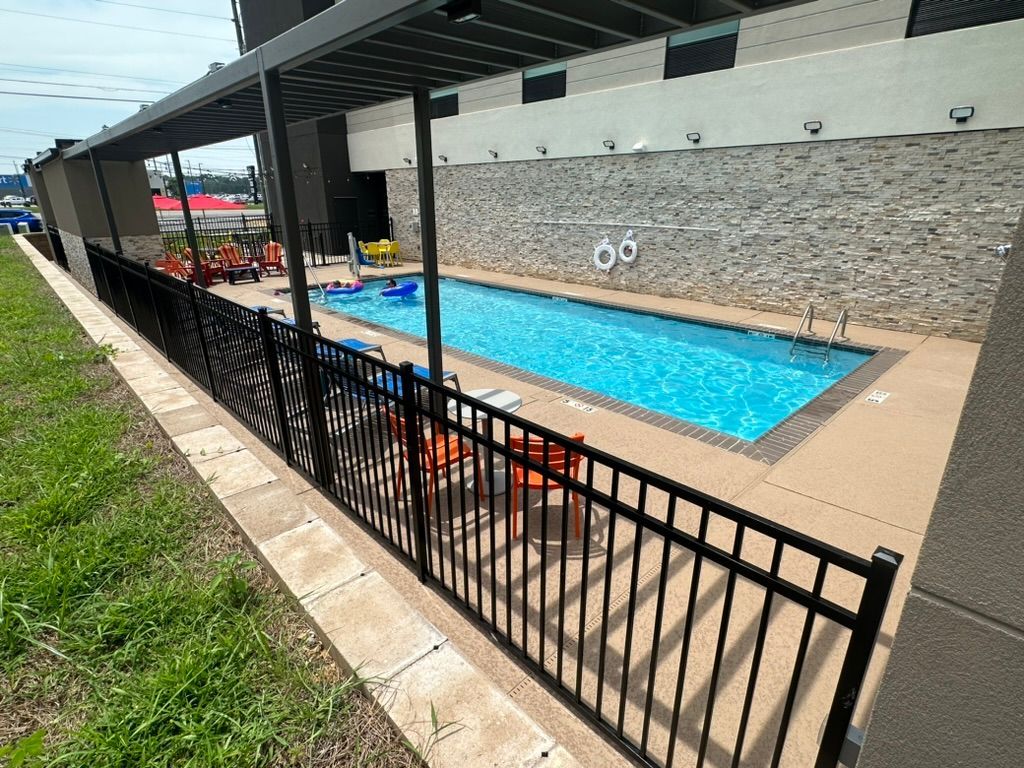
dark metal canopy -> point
(364, 52)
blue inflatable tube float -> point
(400, 290)
(354, 288)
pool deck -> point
(866, 476)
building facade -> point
(806, 154)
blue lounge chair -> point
(357, 345)
(384, 379)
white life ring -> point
(604, 247)
(627, 251)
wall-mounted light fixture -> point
(407, 160)
(492, 153)
(609, 143)
(639, 147)
(813, 126)
(223, 103)
(542, 150)
(961, 114)
(461, 11)
(694, 137)
(443, 158)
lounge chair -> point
(556, 458)
(365, 347)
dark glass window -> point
(444, 106)
(703, 50)
(930, 16)
(540, 87)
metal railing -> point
(323, 243)
(686, 630)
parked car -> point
(12, 201)
(16, 216)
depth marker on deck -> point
(578, 405)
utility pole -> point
(202, 181)
(255, 144)
(17, 173)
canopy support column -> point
(287, 214)
(101, 185)
(428, 231)
(190, 227)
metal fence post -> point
(884, 564)
(191, 290)
(124, 288)
(411, 416)
(276, 389)
(156, 311)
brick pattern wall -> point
(78, 260)
(900, 230)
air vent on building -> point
(930, 16)
(702, 56)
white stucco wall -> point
(900, 87)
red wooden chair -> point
(556, 458)
(437, 452)
(174, 267)
(272, 259)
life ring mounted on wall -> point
(604, 256)
(628, 250)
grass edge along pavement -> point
(134, 629)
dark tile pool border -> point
(769, 448)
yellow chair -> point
(384, 259)
(395, 254)
(373, 252)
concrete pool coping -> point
(769, 448)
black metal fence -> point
(688, 631)
(322, 243)
(57, 247)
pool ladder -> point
(838, 331)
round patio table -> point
(503, 400)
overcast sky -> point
(53, 53)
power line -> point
(26, 131)
(115, 26)
(87, 72)
(164, 10)
(67, 96)
(79, 85)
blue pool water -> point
(731, 381)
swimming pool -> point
(733, 381)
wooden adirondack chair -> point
(272, 253)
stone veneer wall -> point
(138, 247)
(900, 230)
(78, 260)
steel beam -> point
(287, 213)
(428, 232)
(190, 227)
(600, 17)
(667, 10)
(101, 185)
(473, 36)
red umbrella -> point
(207, 203)
(162, 203)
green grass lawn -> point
(133, 630)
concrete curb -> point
(351, 607)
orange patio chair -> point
(229, 252)
(272, 259)
(437, 452)
(173, 267)
(556, 460)
(211, 268)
